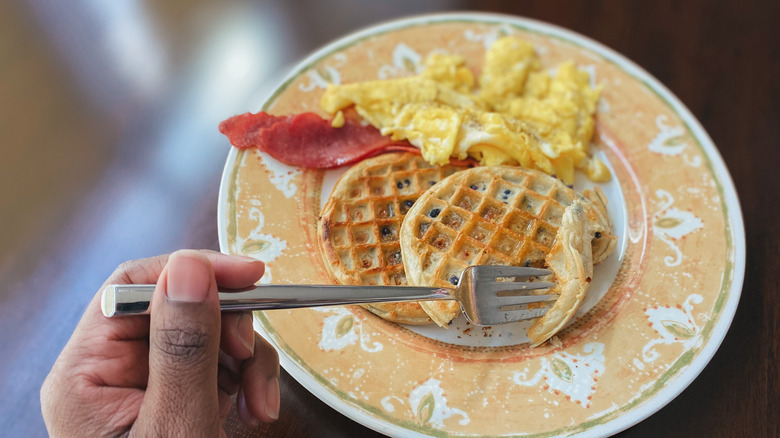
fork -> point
(483, 299)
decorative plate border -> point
(679, 375)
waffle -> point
(504, 216)
(359, 225)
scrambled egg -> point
(515, 114)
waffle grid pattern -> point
(490, 219)
(366, 219)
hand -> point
(170, 373)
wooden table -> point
(97, 100)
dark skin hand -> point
(171, 373)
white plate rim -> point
(719, 169)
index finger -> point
(230, 271)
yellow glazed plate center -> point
(654, 315)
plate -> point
(654, 316)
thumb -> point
(181, 397)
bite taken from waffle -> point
(506, 216)
(359, 226)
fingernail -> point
(246, 258)
(242, 407)
(189, 277)
(272, 399)
(246, 332)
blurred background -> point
(109, 148)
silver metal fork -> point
(483, 299)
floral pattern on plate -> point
(653, 317)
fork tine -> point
(509, 302)
(523, 314)
(509, 271)
(513, 288)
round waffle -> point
(500, 216)
(359, 225)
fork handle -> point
(134, 299)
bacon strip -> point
(308, 140)
(243, 131)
